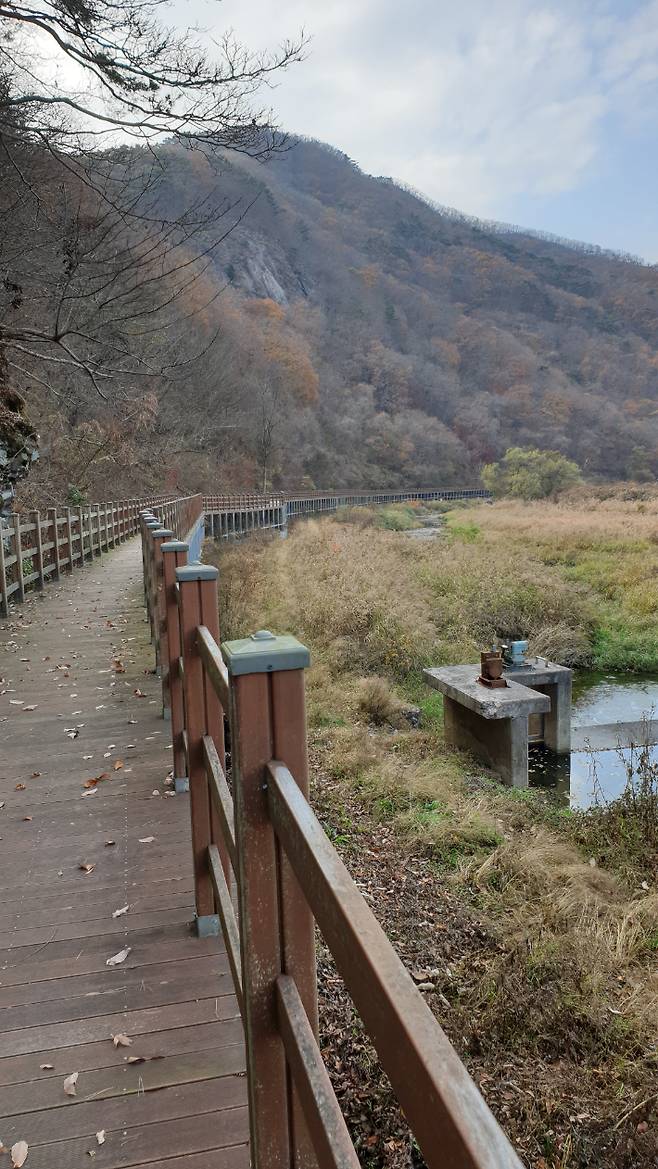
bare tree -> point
(137, 76)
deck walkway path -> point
(183, 1106)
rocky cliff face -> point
(19, 445)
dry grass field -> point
(534, 931)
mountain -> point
(355, 334)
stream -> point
(600, 745)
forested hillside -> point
(345, 332)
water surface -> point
(599, 700)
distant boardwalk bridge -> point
(236, 515)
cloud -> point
(473, 103)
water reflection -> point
(599, 700)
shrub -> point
(529, 473)
(377, 703)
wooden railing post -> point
(193, 601)
(174, 555)
(158, 536)
(18, 550)
(4, 599)
(149, 527)
(52, 512)
(36, 520)
(276, 926)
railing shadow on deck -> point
(266, 875)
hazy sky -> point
(541, 113)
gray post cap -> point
(166, 532)
(153, 523)
(263, 653)
(175, 546)
(196, 572)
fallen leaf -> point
(46, 1067)
(100, 1136)
(118, 764)
(20, 787)
(119, 667)
(29, 708)
(120, 912)
(2, 803)
(16, 701)
(146, 839)
(70, 1082)
(86, 867)
(139, 693)
(117, 959)
(36, 774)
(87, 756)
(110, 843)
(73, 734)
(28, 818)
(121, 1040)
(19, 1153)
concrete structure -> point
(493, 723)
(554, 727)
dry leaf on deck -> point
(46, 1067)
(121, 1040)
(118, 764)
(20, 787)
(27, 818)
(146, 839)
(109, 843)
(86, 867)
(70, 1082)
(36, 774)
(19, 1154)
(100, 1136)
(117, 959)
(120, 912)
(29, 708)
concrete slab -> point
(460, 684)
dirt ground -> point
(551, 1105)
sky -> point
(543, 114)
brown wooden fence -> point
(37, 547)
(266, 875)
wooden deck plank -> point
(127, 1078)
(22, 1069)
(59, 1002)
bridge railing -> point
(231, 515)
(266, 875)
(37, 547)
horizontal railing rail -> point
(266, 874)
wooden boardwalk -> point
(176, 1096)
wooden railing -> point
(37, 547)
(266, 875)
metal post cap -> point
(174, 546)
(264, 653)
(196, 572)
(162, 532)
